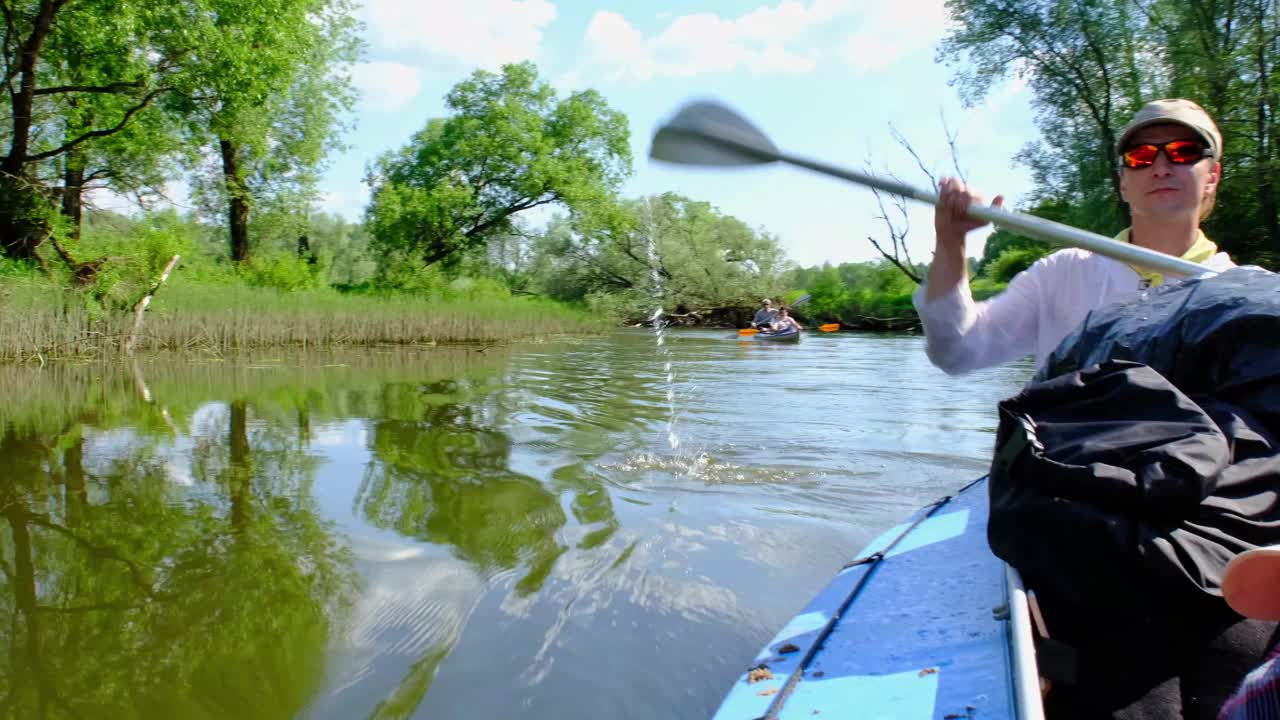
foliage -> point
(1001, 242)
(508, 145)
(870, 294)
(1011, 262)
(284, 272)
(399, 271)
(81, 76)
(269, 102)
(664, 250)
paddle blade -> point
(748, 331)
(829, 327)
(800, 300)
(708, 133)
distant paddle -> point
(829, 327)
(710, 134)
(748, 331)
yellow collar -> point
(1202, 249)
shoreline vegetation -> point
(336, 292)
(43, 322)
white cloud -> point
(707, 43)
(615, 44)
(484, 33)
(789, 19)
(893, 30)
(386, 86)
(349, 203)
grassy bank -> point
(40, 320)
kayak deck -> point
(921, 630)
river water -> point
(564, 529)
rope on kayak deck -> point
(873, 560)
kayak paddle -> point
(708, 133)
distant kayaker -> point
(784, 322)
(765, 315)
(1170, 165)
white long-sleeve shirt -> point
(1040, 307)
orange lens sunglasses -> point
(1179, 152)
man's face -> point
(1164, 188)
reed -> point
(39, 321)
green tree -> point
(269, 99)
(345, 245)
(1082, 59)
(829, 296)
(75, 74)
(664, 249)
(135, 160)
(1011, 262)
(508, 145)
(1002, 241)
(1224, 54)
(871, 295)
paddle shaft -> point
(1028, 225)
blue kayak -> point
(925, 622)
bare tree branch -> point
(905, 270)
(906, 145)
(951, 145)
(900, 255)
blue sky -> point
(823, 78)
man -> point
(1175, 659)
(1170, 155)
(765, 315)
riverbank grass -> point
(41, 321)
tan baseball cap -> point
(1251, 583)
(1179, 112)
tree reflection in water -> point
(127, 594)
